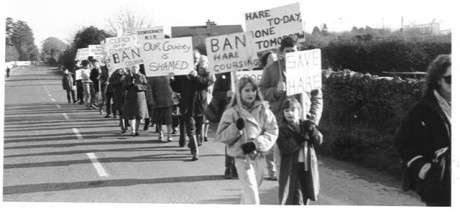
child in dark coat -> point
(299, 180)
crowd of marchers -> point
(262, 127)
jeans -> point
(108, 104)
(79, 90)
(193, 126)
(250, 179)
(90, 94)
(70, 92)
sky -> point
(63, 18)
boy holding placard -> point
(273, 88)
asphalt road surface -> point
(60, 152)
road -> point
(59, 152)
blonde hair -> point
(241, 84)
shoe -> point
(69, 101)
(174, 131)
(272, 178)
(123, 131)
(133, 134)
(169, 139)
(136, 134)
(75, 101)
(205, 139)
(234, 173)
(160, 138)
(195, 156)
(146, 127)
(115, 116)
(228, 173)
(107, 116)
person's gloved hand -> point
(248, 147)
(240, 124)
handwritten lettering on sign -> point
(163, 56)
(96, 51)
(125, 58)
(231, 52)
(82, 54)
(303, 71)
(271, 26)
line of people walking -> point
(261, 127)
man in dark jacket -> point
(193, 101)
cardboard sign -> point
(96, 51)
(148, 34)
(124, 58)
(256, 75)
(271, 26)
(232, 52)
(78, 74)
(163, 56)
(303, 71)
(115, 45)
(82, 54)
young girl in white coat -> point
(249, 129)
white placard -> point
(303, 71)
(78, 74)
(117, 44)
(256, 75)
(271, 26)
(163, 56)
(82, 54)
(231, 52)
(148, 34)
(96, 51)
(124, 58)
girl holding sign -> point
(249, 129)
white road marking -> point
(49, 95)
(77, 133)
(53, 100)
(98, 166)
(58, 106)
(65, 116)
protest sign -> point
(114, 45)
(303, 71)
(78, 74)
(82, 54)
(96, 51)
(256, 75)
(231, 52)
(271, 26)
(163, 56)
(124, 58)
(148, 34)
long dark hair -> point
(435, 72)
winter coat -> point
(94, 77)
(193, 90)
(269, 83)
(105, 78)
(162, 92)
(135, 105)
(261, 128)
(423, 131)
(219, 93)
(289, 143)
(148, 92)
(116, 81)
(67, 82)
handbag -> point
(436, 186)
(212, 111)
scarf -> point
(445, 106)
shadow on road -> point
(50, 187)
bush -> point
(361, 114)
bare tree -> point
(126, 19)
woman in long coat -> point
(116, 81)
(163, 102)
(424, 138)
(135, 106)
